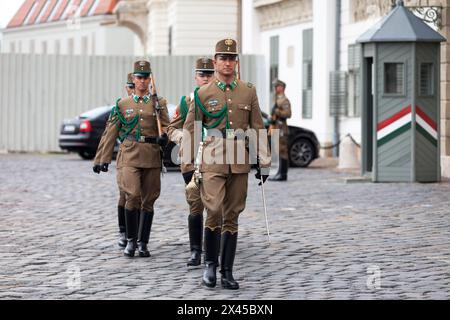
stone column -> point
(158, 28)
(445, 89)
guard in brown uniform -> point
(204, 73)
(129, 88)
(225, 103)
(134, 122)
(281, 111)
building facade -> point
(311, 45)
(79, 27)
(179, 27)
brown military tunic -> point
(175, 133)
(282, 111)
(140, 162)
(224, 180)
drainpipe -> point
(239, 24)
(337, 64)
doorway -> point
(367, 115)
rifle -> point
(154, 96)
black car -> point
(83, 133)
(303, 146)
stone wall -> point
(277, 14)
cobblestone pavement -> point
(330, 239)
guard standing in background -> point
(281, 111)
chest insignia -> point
(213, 103)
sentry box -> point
(401, 99)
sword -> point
(265, 209)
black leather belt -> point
(143, 139)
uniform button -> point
(228, 89)
(141, 110)
(229, 100)
(231, 122)
(245, 107)
(231, 111)
(142, 119)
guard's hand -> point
(258, 176)
(104, 167)
(97, 168)
(162, 140)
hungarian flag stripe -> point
(394, 126)
(426, 126)
(401, 122)
(394, 118)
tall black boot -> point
(212, 239)
(131, 221)
(122, 229)
(145, 226)
(229, 242)
(285, 168)
(195, 225)
(282, 171)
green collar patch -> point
(222, 86)
(136, 98)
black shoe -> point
(122, 240)
(131, 220)
(228, 281)
(195, 259)
(145, 226)
(209, 275)
(143, 250)
(212, 239)
(195, 226)
(228, 252)
(282, 171)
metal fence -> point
(39, 91)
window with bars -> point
(338, 93)
(354, 81)
(426, 85)
(394, 78)
(307, 74)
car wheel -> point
(86, 154)
(301, 153)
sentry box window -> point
(426, 79)
(394, 78)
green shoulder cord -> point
(223, 113)
(124, 126)
(184, 109)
